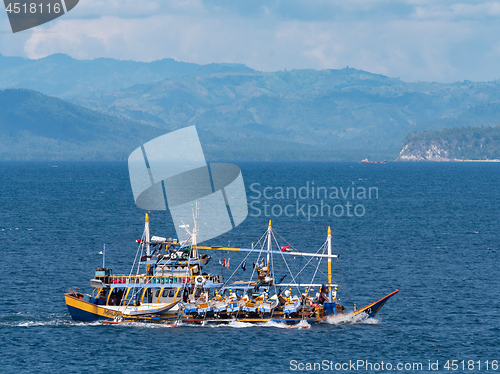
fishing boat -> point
(169, 284)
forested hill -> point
(34, 126)
(453, 144)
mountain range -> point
(62, 76)
(243, 114)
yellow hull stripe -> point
(90, 308)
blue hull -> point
(81, 315)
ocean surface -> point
(430, 230)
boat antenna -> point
(103, 253)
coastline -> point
(421, 159)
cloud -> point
(413, 39)
(458, 11)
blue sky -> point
(426, 40)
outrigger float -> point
(170, 287)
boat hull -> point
(368, 311)
(85, 311)
(372, 309)
(81, 310)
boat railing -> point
(156, 279)
(117, 279)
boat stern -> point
(82, 310)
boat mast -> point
(193, 236)
(194, 241)
(329, 241)
(146, 232)
(268, 247)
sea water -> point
(430, 230)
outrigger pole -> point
(216, 248)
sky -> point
(415, 40)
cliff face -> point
(453, 144)
(435, 150)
